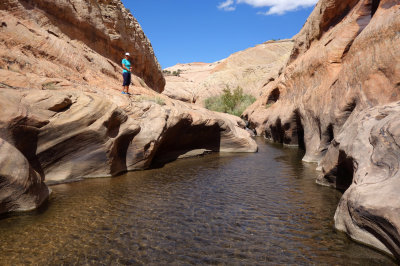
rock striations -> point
(105, 27)
(62, 114)
(338, 98)
(248, 69)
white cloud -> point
(275, 6)
(228, 5)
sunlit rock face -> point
(249, 69)
(53, 29)
(62, 115)
(345, 61)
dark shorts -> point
(127, 78)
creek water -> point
(261, 208)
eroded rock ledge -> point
(58, 136)
(345, 60)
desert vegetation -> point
(176, 73)
(231, 101)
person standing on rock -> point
(126, 74)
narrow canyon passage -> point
(222, 208)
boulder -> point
(21, 186)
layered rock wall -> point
(106, 27)
(67, 135)
(345, 61)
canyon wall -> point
(105, 27)
(337, 98)
(62, 115)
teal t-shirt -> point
(127, 65)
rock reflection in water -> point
(252, 208)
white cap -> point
(128, 54)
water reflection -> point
(220, 209)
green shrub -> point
(176, 73)
(231, 102)
(159, 101)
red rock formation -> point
(62, 114)
(345, 60)
(105, 27)
(68, 135)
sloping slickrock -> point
(65, 135)
(249, 69)
(63, 39)
(345, 60)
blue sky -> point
(184, 31)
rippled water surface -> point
(262, 208)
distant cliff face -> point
(106, 27)
(248, 69)
(337, 98)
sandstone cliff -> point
(62, 114)
(248, 69)
(345, 61)
(54, 30)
